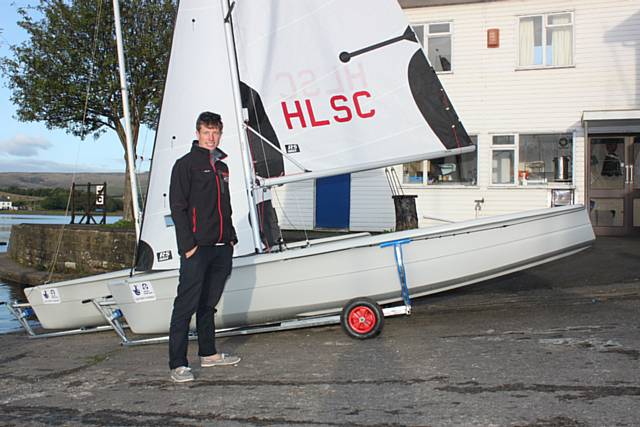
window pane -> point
(530, 41)
(504, 140)
(502, 167)
(607, 212)
(440, 53)
(544, 158)
(607, 164)
(460, 169)
(419, 30)
(559, 19)
(559, 46)
(438, 28)
(412, 173)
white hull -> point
(321, 279)
(67, 311)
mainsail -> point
(197, 80)
(345, 85)
(327, 87)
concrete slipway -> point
(558, 345)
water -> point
(9, 291)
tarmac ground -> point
(557, 345)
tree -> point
(70, 54)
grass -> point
(120, 224)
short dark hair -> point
(209, 119)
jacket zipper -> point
(194, 220)
(215, 171)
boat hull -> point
(320, 280)
(66, 310)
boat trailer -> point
(360, 318)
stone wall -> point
(83, 249)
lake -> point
(8, 291)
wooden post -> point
(73, 203)
(104, 203)
(406, 214)
(87, 208)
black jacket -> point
(199, 199)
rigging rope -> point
(84, 128)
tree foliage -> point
(70, 53)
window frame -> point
(545, 27)
(571, 133)
(425, 179)
(516, 157)
(504, 147)
(426, 36)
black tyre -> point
(362, 318)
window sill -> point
(439, 186)
(547, 186)
(544, 67)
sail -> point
(197, 80)
(344, 86)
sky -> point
(31, 147)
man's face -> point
(209, 137)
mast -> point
(249, 175)
(127, 119)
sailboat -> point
(308, 90)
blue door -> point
(333, 199)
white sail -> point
(197, 80)
(345, 86)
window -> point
(544, 158)
(503, 150)
(461, 169)
(413, 173)
(436, 40)
(546, 40)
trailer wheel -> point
(362, 318)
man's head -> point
(209, 130)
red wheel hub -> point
(362, 319)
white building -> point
(5, 203)
(550, 90)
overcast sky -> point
(31, 147)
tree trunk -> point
(127, 209)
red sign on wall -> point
(493, 38)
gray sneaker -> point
(181, 374)
(221, 359)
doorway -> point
(333, 200)
(614, 184)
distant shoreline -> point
(53, 213)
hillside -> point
(115, 181)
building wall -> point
(371, 203)
(493, 96)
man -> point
(201, 211)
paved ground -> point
(558, 345)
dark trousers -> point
(202, 280)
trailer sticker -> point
(50, 296)
(142, 292)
